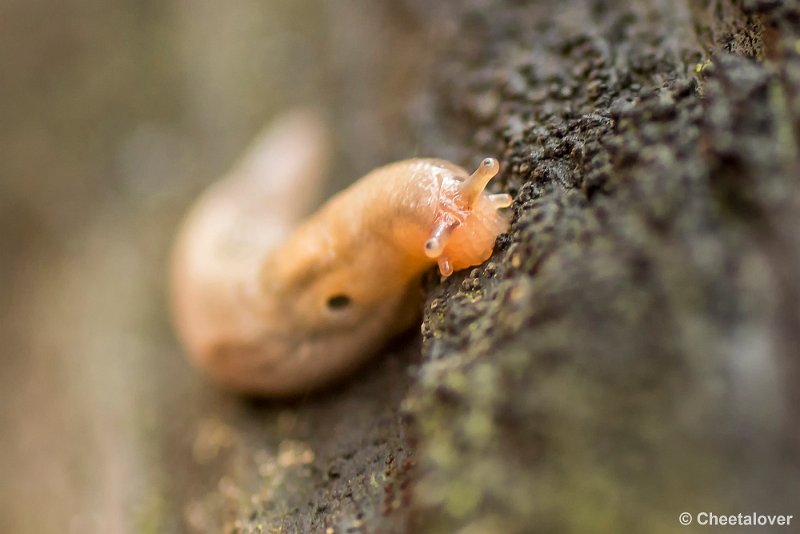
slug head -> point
(467, 221)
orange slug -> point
(268, 309)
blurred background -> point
(114, 114)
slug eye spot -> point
(433, 247)
(339, 302)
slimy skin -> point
(271, 312)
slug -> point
(269, 306)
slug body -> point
(272, 312)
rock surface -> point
(630, 352)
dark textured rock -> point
(633, 354)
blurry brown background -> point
(113, 115)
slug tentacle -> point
(445, 267)
(473, 186)
(501, 200)
(435, 244)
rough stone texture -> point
(630, 352)
(337, 462)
